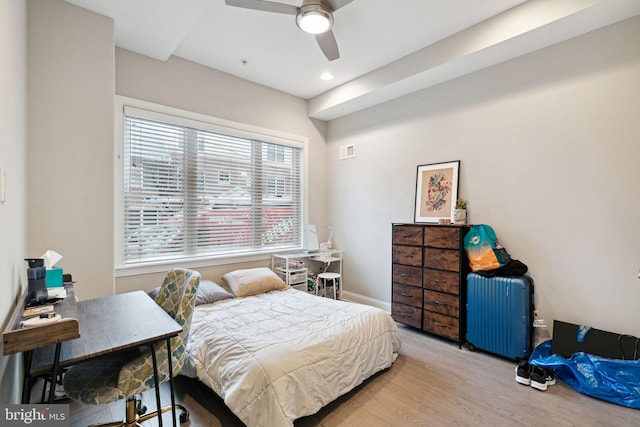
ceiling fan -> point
(313, 17)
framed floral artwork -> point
(436, 191)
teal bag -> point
(484, 249)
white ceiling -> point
(387, 48)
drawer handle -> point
(404, 294)
(436, 302)
(437, 281)
(406, 235)
(403, 314)
(440, 324)
(404, 274)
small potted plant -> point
(460, 212)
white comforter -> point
(282, 355)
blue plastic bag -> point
(613, 380)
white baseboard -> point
(361, 299)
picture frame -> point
(436, 191)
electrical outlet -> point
(539, 323)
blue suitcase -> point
(500, 315)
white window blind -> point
(176, 206)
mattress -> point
(278, 356)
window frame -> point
(205, 122)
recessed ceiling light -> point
(326, 76)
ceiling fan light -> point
(314, 19)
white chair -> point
(323, 280)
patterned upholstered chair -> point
(126, 374)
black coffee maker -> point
(37, 278)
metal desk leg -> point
(54, 373)
(156, 382)
(173, 399)
(26, 378)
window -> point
(224, 177)
(276, 186)
(276, 153)
(193, 189)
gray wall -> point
(70, 156)
(13, 147)
(549, 146)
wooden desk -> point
(16, 339)
(106, 325)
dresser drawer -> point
(443, 259)
(442, 303)
(406, 314)
(441, 281)
(407, 255)
(407, 275)
(428, 271)
(409, 295)
(442, 325)
(407, 235)
(442, 237)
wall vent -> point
(347, 152)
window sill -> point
(193, 263)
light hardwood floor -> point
(432, 383)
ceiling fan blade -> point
(328, 45)
(337, 4)
(265, 6)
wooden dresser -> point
(429, 270)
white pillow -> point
(253, 281)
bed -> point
(278, 354)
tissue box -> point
(54, 277)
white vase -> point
(459, 216)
